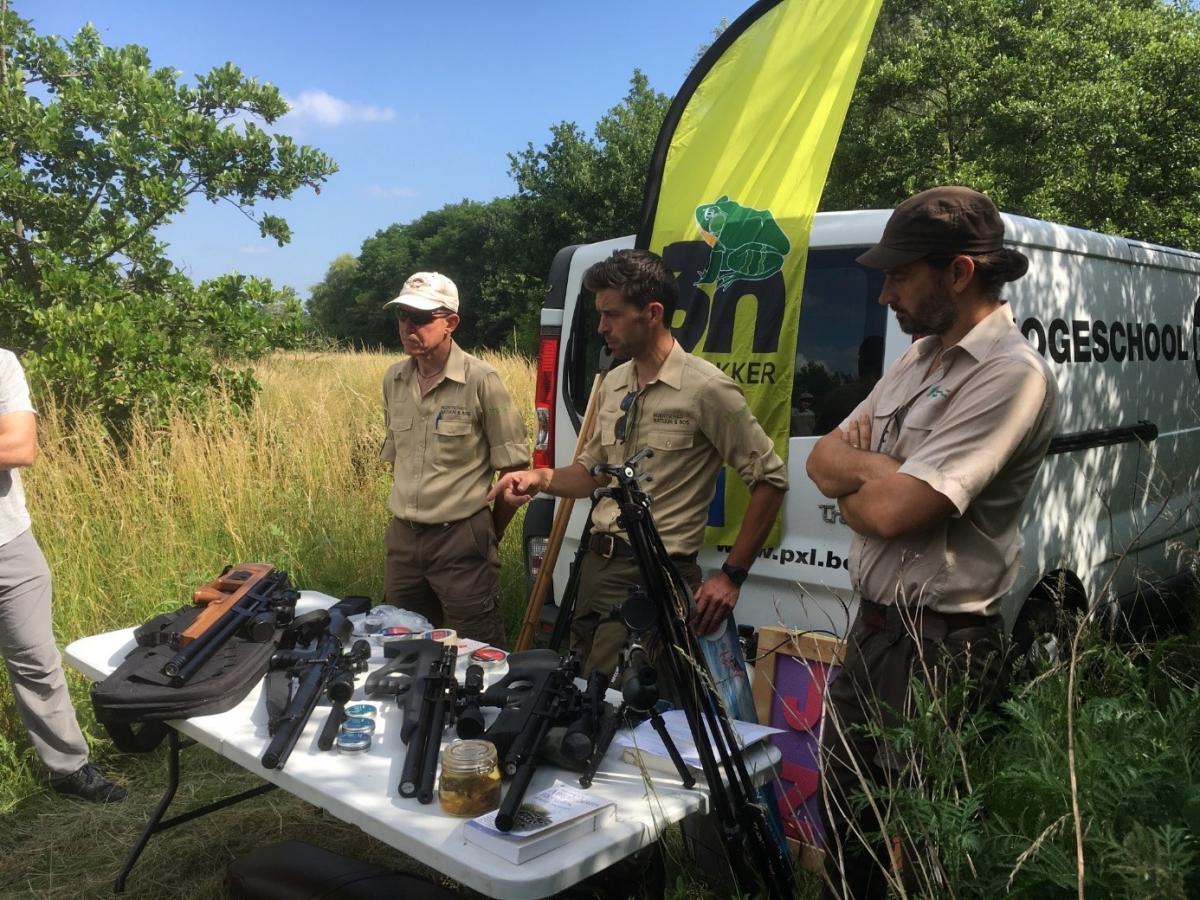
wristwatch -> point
(736, 574)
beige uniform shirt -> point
(446, 446)
(975, 429)
(693, 416)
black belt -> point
(609, 545)
(877, 616)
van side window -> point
(839, 349)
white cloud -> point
(378, 192)
(322, 108)
(256, 249)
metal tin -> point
(362, 711)
(353, 742)
(442, 635)
(358, 725)
(488, 657)
(398, 633)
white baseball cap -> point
(427, 291)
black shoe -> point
(89, 783)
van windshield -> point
(839, 351)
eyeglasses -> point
(419, 317)
(626, 421)
(896, 420)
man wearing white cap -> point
(451, 425)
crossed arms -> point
(875, 498)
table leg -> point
(156, 824)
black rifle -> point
(252, 599)
(403, 677)
(421, 759)
(538, 694)
(301, 676)
(754, 854)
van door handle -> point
(1143, 431)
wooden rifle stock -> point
(220, 595)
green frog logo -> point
(747, 244)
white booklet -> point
(643, 746)
(545, 820)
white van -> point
(1119, 323)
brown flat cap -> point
(942, 221)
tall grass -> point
(295, 481)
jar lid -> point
(473, 757)
(353, 742)
(442, 635)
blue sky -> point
(418, 103)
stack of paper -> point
(644, 747)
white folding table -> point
(362, 788)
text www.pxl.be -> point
(808, 557)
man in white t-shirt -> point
(26, 633)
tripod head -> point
(628, 486)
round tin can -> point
(442, 635)
(398, 633)
(353, 742)
(488, 657)
(358, 725)
(362, 711)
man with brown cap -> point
(451, 425)
(930, 471)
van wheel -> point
(1041, 637)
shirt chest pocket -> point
(455, 440)
(400, 435)
(899, 430)
(669, 439)
(606, 426)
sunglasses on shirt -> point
(419, 317)
(625, 423)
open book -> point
(644, 748)
(545, 820)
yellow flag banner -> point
(734, 184)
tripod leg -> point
(685, 774)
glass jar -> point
(470, 782)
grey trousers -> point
(32, 658)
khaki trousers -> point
(448, 573)
(32, 658)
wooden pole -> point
(558, 529)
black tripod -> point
(754, 855)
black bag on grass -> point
(295, 870)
